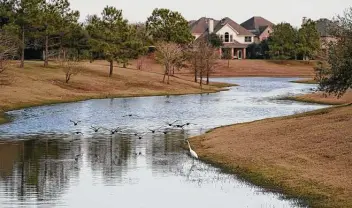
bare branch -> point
(8, 50)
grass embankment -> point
(306, 81)
(305, 156)
(35, 85)
(249, 68)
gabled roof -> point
(255, 23)
(201, 26)
(241, 30)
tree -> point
(308, 40)
(339, 76)
(8, 50)
(169, 26)
(108, 34)
(227, 55)
(282, 41)
(133, 46)
(56, 19)
(202, 56)
(167, 54)
(70, 67)
(215, 40)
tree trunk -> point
(173, 70)
(201, 79)
(228, 63)
(46, 51)
(111, 68)
(22, 49)
(124, 65)
(207, 77)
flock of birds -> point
(119, 130)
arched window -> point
(231, 38)
(227, 37)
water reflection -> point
(44, 163)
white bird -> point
(192, 152)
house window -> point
(227, 36)
(248, 39)
(231, 38)
(222, 38)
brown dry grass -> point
(35, 85)
(306, 156)
(245, 68)
(322, 98)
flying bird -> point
(95, 129)
(170, 124)
(75, 122)
(153, 130)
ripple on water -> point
(43, 163)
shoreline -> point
(4, 118)
(273, 176)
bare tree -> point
(168, 54)
(8, 50)
(202, 57)
(70, 68)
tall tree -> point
(57, 20)
(308, 40)
(108, 34)
(339, 78)
(26, 15)
(282, 42)
(169, 26)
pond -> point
(47, 161)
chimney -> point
(211, 25)
(304, 20)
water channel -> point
(45, 163)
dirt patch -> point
(306, 156)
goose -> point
(95, 129)
(75, 123)
(170, 124)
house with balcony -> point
(235, 38)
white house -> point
(235, 38)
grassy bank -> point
(322, 98)
(35, 85)
(305, 156)
(306, 81)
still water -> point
(45, 163)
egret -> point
(192, 152)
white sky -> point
(276, 11)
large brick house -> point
(260, 27)
(235, 38)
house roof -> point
(201, 26)
(323, 26)
(256, 22)
(241, 30)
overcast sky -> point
(276, 11)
